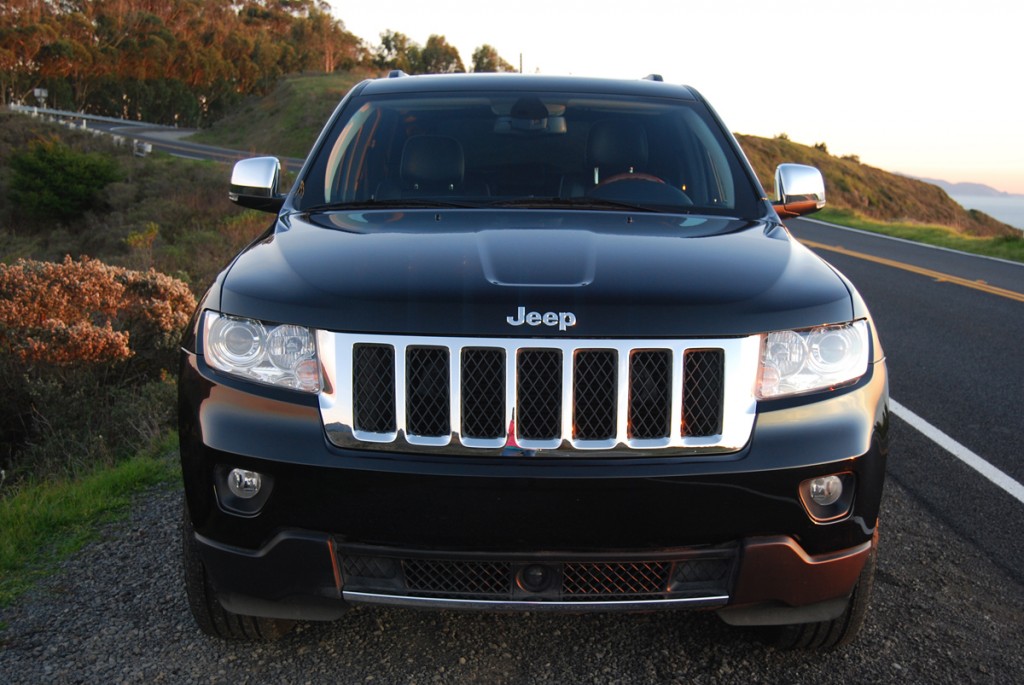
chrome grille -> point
(601, 398)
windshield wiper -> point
(408, 203)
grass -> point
(44, 522)
(287, 121)
(1004, 247)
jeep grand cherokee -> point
(531, 343)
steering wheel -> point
(626, 176)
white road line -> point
(959, 451)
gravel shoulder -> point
(942, 612)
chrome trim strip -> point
(539, 605)
(739, 406)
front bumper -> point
(308, 576)
(345, 526)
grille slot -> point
(539, 396)
(483, 392)
(373, 388)
(703, 399)
(595, 387)
(650, 388)
(426, 391)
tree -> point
(438, 57)
(487, 59)
(394, 52)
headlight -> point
(825, 357)
(281, 355)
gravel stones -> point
(116, 613)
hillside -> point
(287, 120)
(290, 117)
(869, 192)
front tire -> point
(212, 618)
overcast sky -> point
(931, 88)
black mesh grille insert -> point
(595, 386)
(692, 573)
(426, 387)
(369, 567)
(539, 394)
(650, 389)
(712, 571)
(618, 579)
(373, 388)
(703, 383)
(442, 578)
(483, 392)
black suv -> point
(531, 343)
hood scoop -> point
(548, 258)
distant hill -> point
(290, 117)
(974, 189)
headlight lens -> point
(812, 359)
(282, 355)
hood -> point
(526, 273)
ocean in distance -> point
(1007, 208)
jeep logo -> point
(561, 319)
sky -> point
(928, 88)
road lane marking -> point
(937, 275)
(915, 243)
(965, 455)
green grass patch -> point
(44, 522)
(1004, 247)
(287, 121)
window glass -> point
(522, 148)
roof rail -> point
(653, 77)
(396, 73)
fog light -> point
(244, 484)
(826, 491)
(828, 498)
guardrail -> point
(143, 142)
(140, 148)
(64, 114)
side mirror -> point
(254, 184)
(799, 190)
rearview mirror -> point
(799, 190)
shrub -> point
(85, 353)
(51, 179)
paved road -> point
(956, 359)
(174, 141)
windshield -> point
(528, 150)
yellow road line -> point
(937, 275)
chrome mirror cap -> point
(254, 184)
(799, 189)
